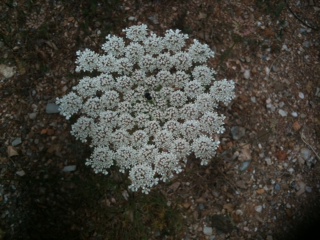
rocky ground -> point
(264, 182)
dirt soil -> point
(264, 182)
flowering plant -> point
(151, 103)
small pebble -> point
(301, 95)
(305, 153)
(244, 166)
(246, 74)
(296, 126)
(32, 116)
(133, 19)
(277, 187)
(238, 132)
(258, 208)
(268, 161)
(301, 187)
(308, 189)
(306, 44)
(16, 142)
(207, 231)
(52, 108)
(21, 173)
(282, 113)
(285, 47)
(269, 237)
(294, 114)
(69, 168)
(303, 30)
(154, 19)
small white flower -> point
(100, 135)
(164, 61)
(205, 102)
(109, 118)
(211, 122)
(85, 88)
(189, 112)
(151, 82)
(134, 52)
(193, 89)
(105, 82)
(69, 104)
(136, 33)
(173, 127)
(92, 107)
(126, 121)
(171, 113)
(200, 53)
(139, 138)
(163, 139)
(129, 96)
(164, 78)
(141, 119)
(178, 99)
(190, 129)
(147, 63)
(124, 107)
(114, 46)
(182, 61)
(180, 79)
(107, 64)
(204, 148)
(174, 40)
(138, 77)
(152, 127)
(153, 44)
(166, 164)
(124, 66)
(86, 60)
(120, 138)
(223, 91)
(142, 177)
(110, 99)
(82, 128)
(101, 159)
(123, 83)
(147, 154)
(157, 115)
(203, 74)
(181, 148)
(165, 92)
(125, 158)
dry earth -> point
(265, 181)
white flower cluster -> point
(151, 103)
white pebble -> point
(294, 114)
(268, 161)
(69, 168)
(258, 208)
(21, 173)
(246, 74)
(132, 18)
(207, 230)
(301, 95)
(282, 113)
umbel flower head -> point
(149, 102)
